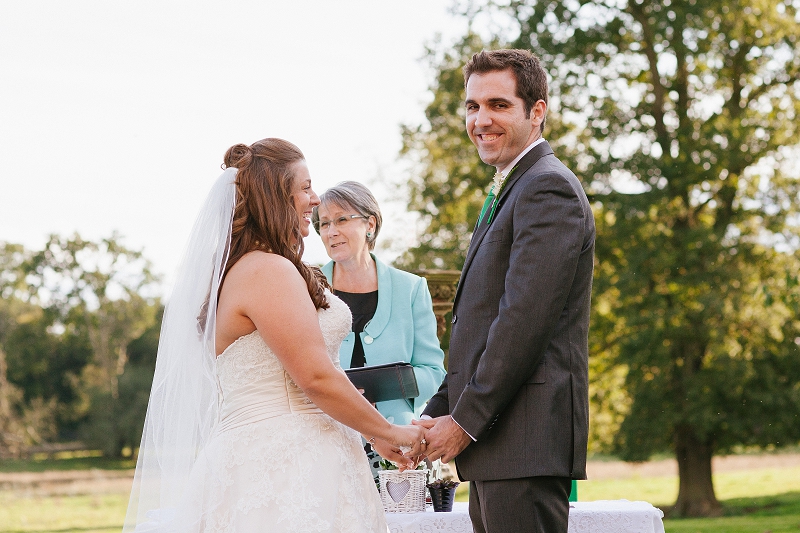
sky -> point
(115, 115)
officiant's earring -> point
(369, 235)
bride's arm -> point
(267, 289)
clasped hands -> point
(442, 439)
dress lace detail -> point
(276, 462)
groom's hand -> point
(445, 438)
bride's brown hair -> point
(265, 217)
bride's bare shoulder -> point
(262, 267)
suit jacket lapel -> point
(537, 152)
(528, 160)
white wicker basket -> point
(403, 492)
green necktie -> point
(488, 202)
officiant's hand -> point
(445, 438)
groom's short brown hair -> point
(527, 69)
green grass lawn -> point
(101, 513)
(70, 461)
(767, 514)
(755, 501)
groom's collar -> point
(516, 160)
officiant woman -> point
(393, 316)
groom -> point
(513, 409)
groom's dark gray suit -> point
(517, 380)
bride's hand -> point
(409, 439)
(393, 454)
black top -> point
(362, 305)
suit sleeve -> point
(547, 236)
(427, 357)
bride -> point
(252, 426)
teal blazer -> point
(403, 329)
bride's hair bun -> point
(238, 156)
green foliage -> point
(100, 287)
(70, 315)
(116, 423)
(142, 350)
(44, 364)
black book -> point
(381, 383)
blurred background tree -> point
(70, 315)
(681, 117)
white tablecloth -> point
(602, 516)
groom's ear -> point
(538, 113)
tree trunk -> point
(696, 490)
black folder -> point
(392, 381)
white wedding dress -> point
(276, 462)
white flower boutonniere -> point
(498, 179)
(499, 182)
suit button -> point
(368, 339)
(454, 319)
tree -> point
(101, 288)
(70, 315)
(105, 290)
(682, 119)
(45, 364)
(26, 418)
(22, 424)
(114, 424)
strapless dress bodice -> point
(254, 386)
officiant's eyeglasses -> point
(340, 222)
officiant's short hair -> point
(352, 194)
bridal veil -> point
(183, 403)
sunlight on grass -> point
(761, 482)
(98, 513)
(656, 490)
(662, 491)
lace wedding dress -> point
(276, 462)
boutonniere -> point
(499, 183)
(498, 179)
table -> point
(602, 516)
